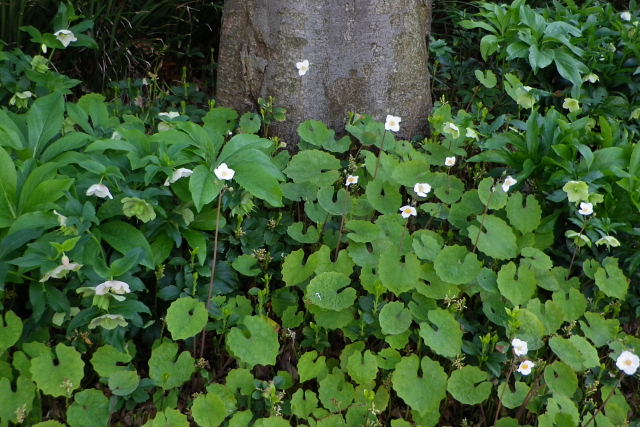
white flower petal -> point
(520, 347)
(628, 362)
(302, 67)
(99, 190)
(585, 208)
(525, 367)
(450, 161)
(351, 179)
(407, 211)
(65, 37)
(392, 123)
(422, 189)
(223, 172)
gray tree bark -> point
(366, 56)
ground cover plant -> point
(171, 263)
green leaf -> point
(126, 238)
(256, 343)
(208, 410)
(525, 219)
(362, 231)
(221, 120)
(141, 209)
(58, 379)
(203, 186)
(8, 181)
(310, 368)
(44, 120)
(336, 394)
(448, 188)
(576, 352)
(427, 244)
(611, 280)
(10, 331)
(314, 166)
(247, 265)
(491, 195)
(315, 133)
(561, 412)
(488, 46)
(561, 379)
(295, 232)
(363, 367)
(167, 369)
(168, 418)
(272, 421)
(398, 276)
(323, 291)
(256, 173)
(394, 318)
(341, 206)
(250, 123)
(294, 272)
(455, 264)
(186, 317)
(498, 241)
(422, 393)
(384, 196)
(469, 385)
(487, 78)
(569, 67)
(90, 408)
(513, 398)
(517, 290)
(123, 383)
(303, 403)
(540, 58)
(12, 401)
(107, 360)
(445, 336)
(600, 331)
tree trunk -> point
(366, 56)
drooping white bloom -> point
(591, 78)
(525, 367)
(169, 115)
(628, 362)
(302, 67)
(407, 211)
(508, 182)
(62, 220)
(451, 129)
(223, 172)
(471, 133)
(114, 287)
(392, 123)
(65, 37)
(520, 348)
(61, 270)
(450, 161)
(351, 179)
(571, 104)
(177, 174)
(610, 241)
(116, 135)
(99, 190)
(625, 16)
(586, 208)
(421, 189)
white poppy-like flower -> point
(628, 362)
(625, 16)
(114, 287)
(302, 67)
(591, 78)
(407, 211)
(471, 133)
(422, 189)
(99, 190)
(586, 208)
(508, 182)
(610, 241)
(223, 172)
(571, 104)
(61, 270)
(520, 348)
(525, 367)
(62, 220)
(351, 179)
(65, 37)
(451, 129)
(450, 161)
(177, 174)
(392, 123)
(169, 115)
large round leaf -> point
(469, 385)
(186, 317)
(90, 408)
(208, 410)
(256, 343)
(455, 264)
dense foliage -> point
(165, 263)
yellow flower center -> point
(628, 362)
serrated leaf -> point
(469, 385)
(256, 343)
(10, 330)
(455, 264)
(167, 369)
(517, 290)
(323, 291)
(422, 393)
(561, 379)
(186, 317)
(208, 410)
(394, 318)
(611, 280)
(498, 241)
(90, 408)
(525, 219)
(61, 378)
(576, 352)
(442, 334)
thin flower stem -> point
(213, 270)
(342, 225)
(484, 215)
(530, 394)
(495, 419)
(577, 248)
(603, 404)
(375, 173)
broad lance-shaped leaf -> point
(324, 291)
(422, 384)
(519, 290)
(498, 241)
(10, 330)
(611, 280)
(167, 370)
(58, 379)
(445, 336)
(204, 186)
(469, 385)
(455, 264)
(186, 317)
(90, 408)
(255, 341)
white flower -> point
(586, 208)
(421, 189)
(24, 95)
(628, 362)
(451, 129)
(65, 37)
(392, 123)
(471, 133)
(525, 367)
(610, 241)
(450, 161)
(145, 82)
(625, 16)
(112, 286)
(407, 211)
(591, 78)
(99, 190)
(62, 220)
(223, 172)
(302, 67)
(61, 270)
(177, 174)
(527, 88)
(116, 135)
(351, 179)
(571, 104)
(169, 115)
(520, 348)
(508, 182)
